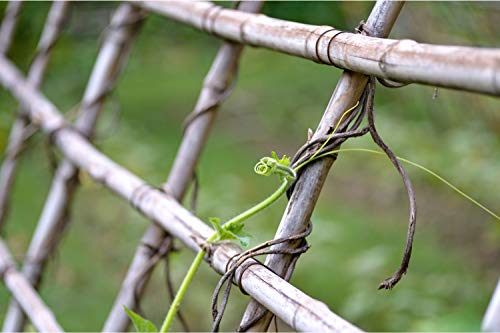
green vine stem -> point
(230, 230)
(404, 160)
(273, 165)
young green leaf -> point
(141, 324)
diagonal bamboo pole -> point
(295, 308)
(301, 205)
(39, 314)
(9, 23)
(215, 88)
(20, 129)
(123, 27)
(491, 320)
(463, 68)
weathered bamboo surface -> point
(303, 200)
(216, 87)
(298, 310)
(458, 67)
(9, 23)
(491, 320)
(20, 129)
(123, 27)
(39, 314)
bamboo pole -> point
(54, 218)
(9, 23)
(39, 314)
(464, 68)
(298, 310)
(301, 204)
(215, 88)
(491, 320)
(19, 132)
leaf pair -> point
(230, 231)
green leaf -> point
(238, 233)
(141, 324)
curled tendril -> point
(271, 165)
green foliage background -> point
(360, 222)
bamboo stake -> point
(491, 320)
(19, 132)
(298, 310)
(9, 23)
(54, 218)
(301, 204)
(457, 67)
(215, 88)
(39, 314)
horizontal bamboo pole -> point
(458, 67)
(216, 87)
(297, 309)
(491, 320)
(39, 314)
(115, 47)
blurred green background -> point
(360, 221)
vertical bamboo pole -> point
(9, 24)
(39, 314)
(18, 132)
(491, 320)
(308, 187)
(123, 27)
(214, 90)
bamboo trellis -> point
(464, 68)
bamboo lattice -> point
(360, 55)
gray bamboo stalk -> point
(20, 129)
(491, 320)
(464, 68)
(123, 27)
(20, 288)
(215, 88)
(298, 310)
(8, 26)
(308, 187)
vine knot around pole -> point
(238, 265)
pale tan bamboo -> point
(20, 129)
(215, 88)
(301, 204)
(298, 310)
(9, 23)
(20, 288)
(465, 68)
(123, 27)
(491, 320)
